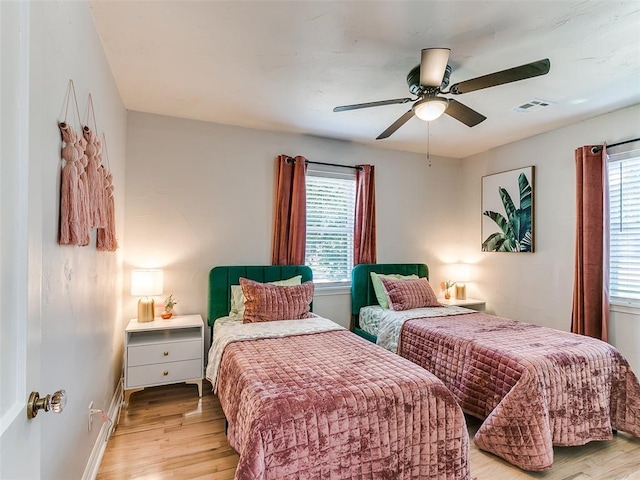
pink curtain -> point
(364, 241)
(591, 275)
(290, 212)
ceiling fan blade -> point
(396, 125)
(534, 69)
(355, 106)
(432, 66)
(464, 114)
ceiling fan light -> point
(430, 108)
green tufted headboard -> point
(362, 293)
(221, 279)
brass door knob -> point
(55, 402)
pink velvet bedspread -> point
(534, 387)
(331, 405)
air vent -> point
(532, 105)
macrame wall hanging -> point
(74, 226)
(106, 236)
(86, 195)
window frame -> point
(614, 157)
(341, 173)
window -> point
(330, 211)
(624, 225)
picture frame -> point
(508, 211)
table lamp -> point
(461, 275)
(145, 284)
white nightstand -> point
(163, 352)
(472, 303)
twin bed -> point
(309, 399)
(533, 387)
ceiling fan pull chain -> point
(429, 143)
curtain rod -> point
(291, 159)
(599, 149)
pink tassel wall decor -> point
(95, 180)
(102, 197)
(83, 211)
(86, 190)
(69, 228)
(74, 227)
(106, 238)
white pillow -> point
(237, 297)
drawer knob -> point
(165, 373)
(166, 354)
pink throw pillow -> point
(407, 294)
(267, 302)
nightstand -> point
(472, 303)
(163, 352)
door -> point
(20, 246)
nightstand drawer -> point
(163, 353)
(163, 373)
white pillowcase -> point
(237, 297)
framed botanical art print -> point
(507, 211)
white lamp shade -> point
(430, 108)
(461, 272)
(146, 283)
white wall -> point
(80, 287)
(538, 287)
(624, 333)
(201, 194)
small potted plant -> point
(169, 303)
(447, 285)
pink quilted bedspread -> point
(332, 405)
(534, 387)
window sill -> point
(323, 290)
(625, 306)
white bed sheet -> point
(369, 319)
(386, 324)
(230, 329)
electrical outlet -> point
(90, 416)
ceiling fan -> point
(429, 80)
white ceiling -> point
(283, 66)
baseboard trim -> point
(93, 465)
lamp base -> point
(145, 310)
(461, 291)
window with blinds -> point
(624, 226)
(330, 212)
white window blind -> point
(624, 225)
(330, 211)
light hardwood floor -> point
(169, 433)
